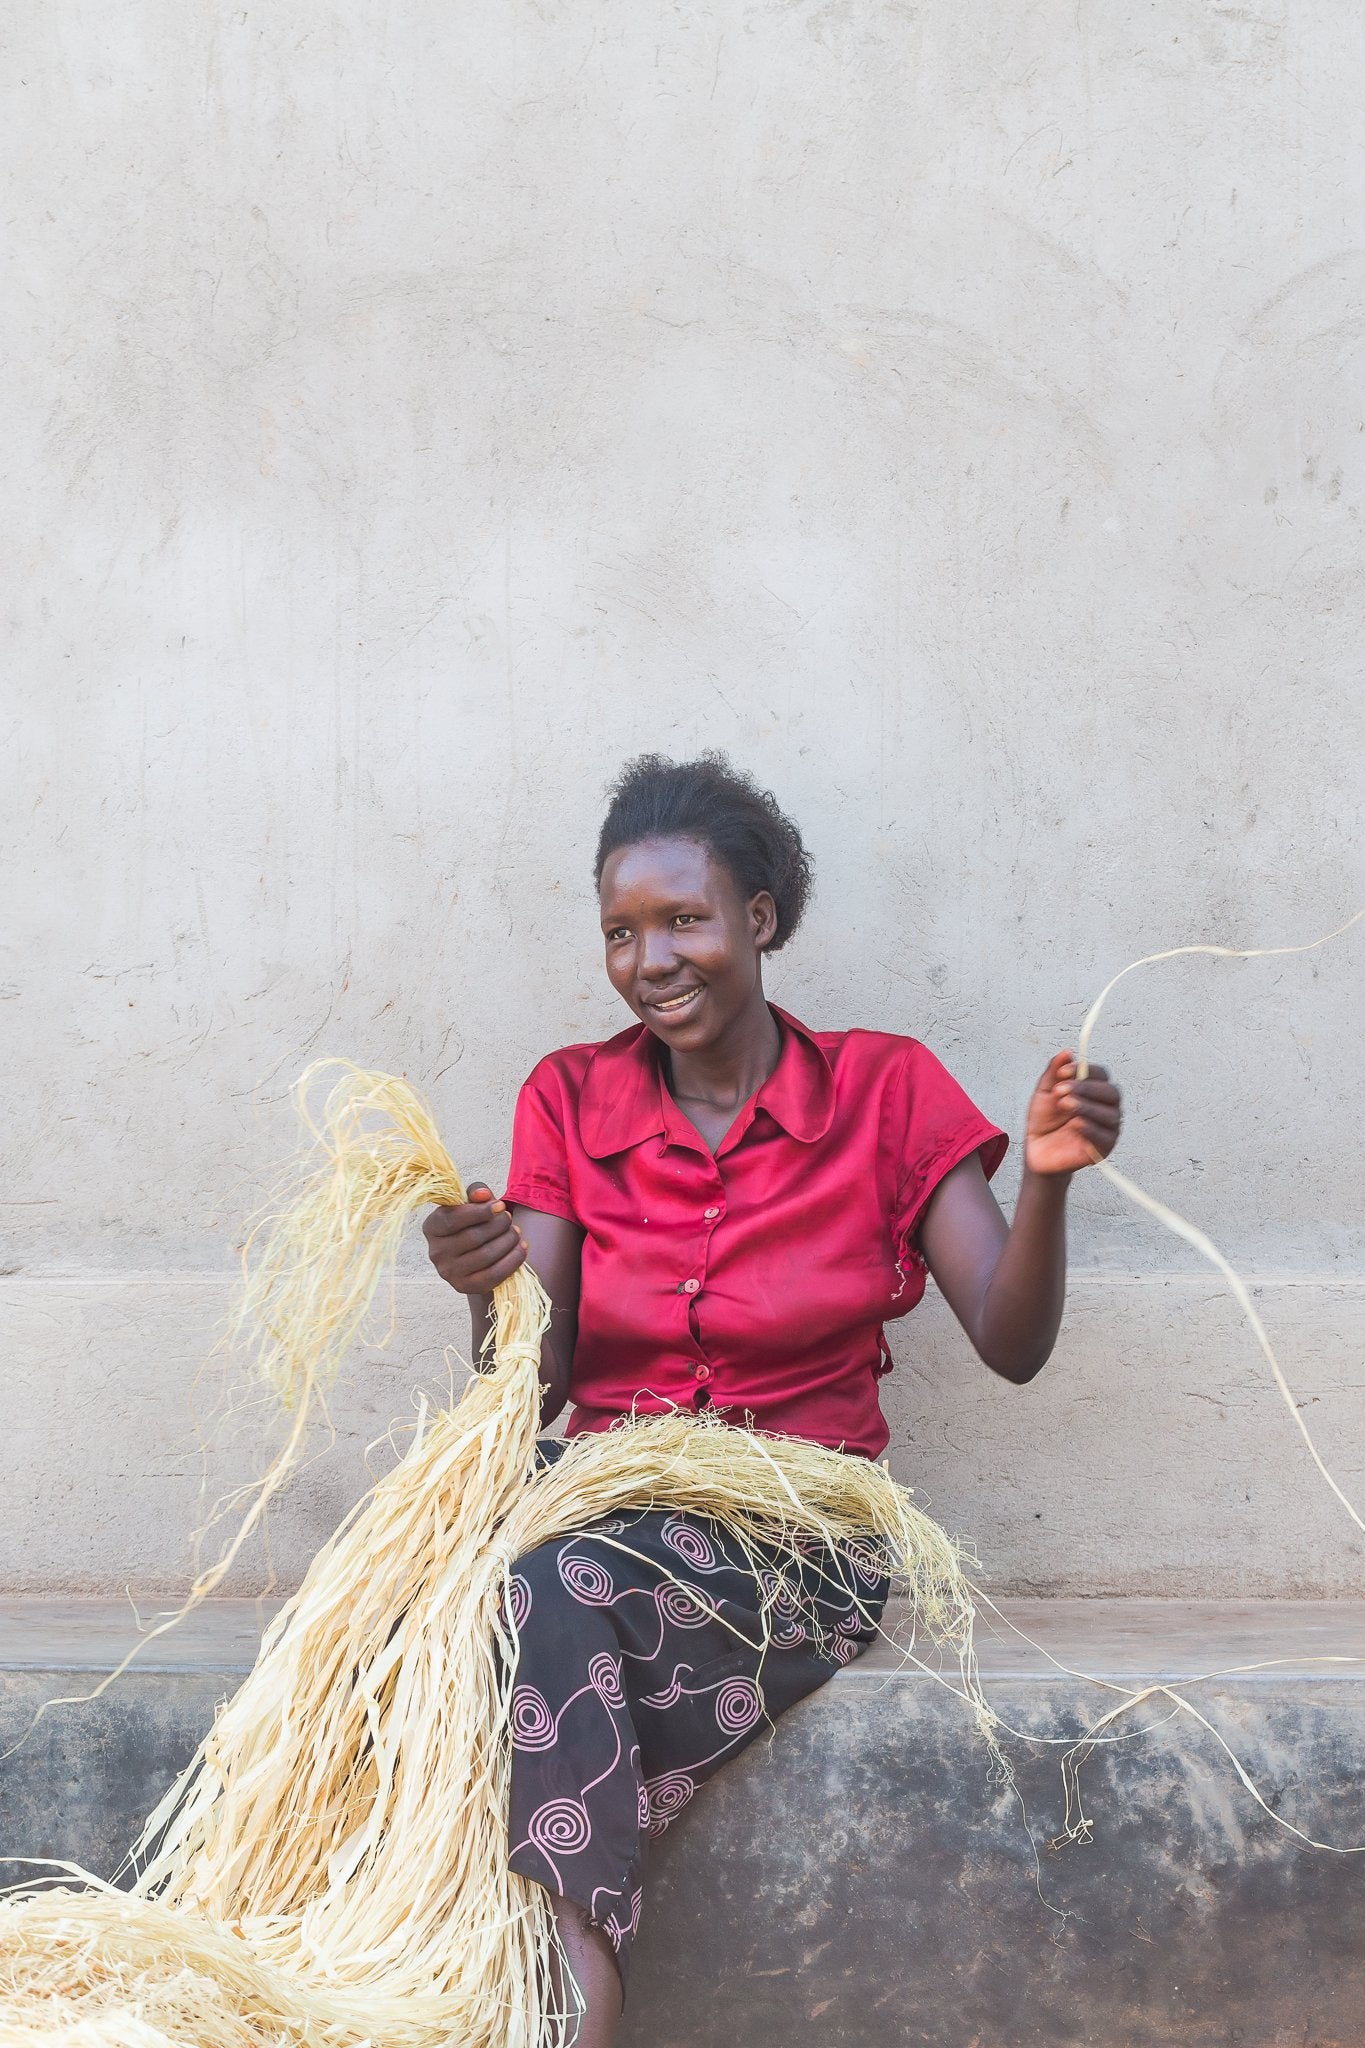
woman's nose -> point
(658, 955)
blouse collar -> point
(625, 1100)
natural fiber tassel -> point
(333, 1865)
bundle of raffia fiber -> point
(332, 1868)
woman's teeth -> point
(679, 1002)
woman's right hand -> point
(474, 1245)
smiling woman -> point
(725, 1208)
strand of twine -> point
(1181, 1225)
(1076, 1824)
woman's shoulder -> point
(866, 1052)
(862, 1043)
(566, 1069)
(888, 1066)
(911, 1093)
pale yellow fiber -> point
(333, 1865)
(1180, 1225)
(1077, 1826)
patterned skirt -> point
(652, 1650)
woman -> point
(725, 1208)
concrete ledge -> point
(856, 1880)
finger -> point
(1106, 1113)
(446, 1221)
(485, 1225)
(494, 1275)
(478, 1257)
(1060, 1067)
(1080, 1098)
(452, 1218)
(1097, 1091)
(1088, 1095)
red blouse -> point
(757, 1278)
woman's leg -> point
(645, 1662)
(595, 1973)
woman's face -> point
(684, 946)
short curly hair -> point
(713, 802)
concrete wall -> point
(955, 411)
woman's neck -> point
(724, 1075)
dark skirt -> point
(652, 1651)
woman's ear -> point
(763, 911)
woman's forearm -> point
(1006, 1282)
(1021, 1311)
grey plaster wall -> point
(956, 412)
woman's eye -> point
(618, 931)
(684, 917)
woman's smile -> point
(668, 1007)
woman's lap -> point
(645, 1665)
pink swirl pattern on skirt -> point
(683, 1607)
(739, 1703)
(668, 1795)
(561, 1827)
(518, 1601)
(588, 1581)
(867, 1562)
(604, 1676)
(691, 1543)
(533, 1725)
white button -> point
(691, 1286)
(710, 1212)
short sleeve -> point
(538, 1177)
(940, 1126)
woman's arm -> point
(1006, 1282)
(481, 1243)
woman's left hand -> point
(1071, 1123)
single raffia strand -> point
(1180, 1225)
(332, 1867)
(1077, 1826)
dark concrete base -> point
(856, 1880)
